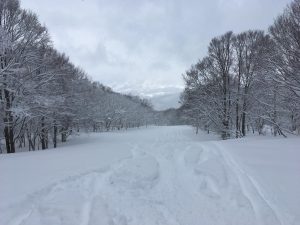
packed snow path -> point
(170, 177)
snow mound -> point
(61, 209)
(192, 156)
(212, 176)
(101, 215)
(214, 169)
(140, 172)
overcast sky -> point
(143, 46)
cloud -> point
(141, 44)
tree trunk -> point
(7, 142)
(237, 110)
(8, 124)
(55, 135)
(244, 124)
(43, 134)
(244, 113)
(9, 133)
(64, 135)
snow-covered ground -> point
(158, 175)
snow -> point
(273, 166)
(155, 175)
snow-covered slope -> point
(158, 175)
(273, 167)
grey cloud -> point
(140, 44)
(159, 66)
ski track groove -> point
(165, 196)
(246, 183)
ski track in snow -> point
(168, 180)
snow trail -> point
(264, 210)
(171, 178)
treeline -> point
(170, 117)
(248, 81)
(44, 97)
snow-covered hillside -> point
(158, 175)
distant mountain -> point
(161, 96)
(166, 100)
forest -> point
(248, 82)
(43, 95)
